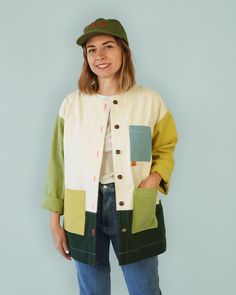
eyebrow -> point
(102, 44)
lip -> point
(106, 65)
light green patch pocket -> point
(74, 211)
(144, 209)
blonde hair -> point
(88, 81)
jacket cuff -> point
(53, 204)
(165, 182)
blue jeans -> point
(141, 277)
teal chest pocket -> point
(140, 143)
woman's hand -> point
(59, 236)
(152, 181)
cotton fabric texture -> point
(144, 137)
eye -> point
(90, 51)
(109, 46)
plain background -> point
(185, 50)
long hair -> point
(88, 81)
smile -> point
(103, 66)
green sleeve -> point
(164, 140)
(54, 189)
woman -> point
(111, 155)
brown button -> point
(121, 203)
(115, 101)
(124, 230)
(119, 176)
(117, 126)
(117, 151)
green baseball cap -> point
(103, 26)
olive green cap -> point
(103, 26)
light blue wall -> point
(183, 49)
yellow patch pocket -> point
(74, 211)
(144, 209)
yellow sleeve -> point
(164, 140)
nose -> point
(100, 54)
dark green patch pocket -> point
(140, 143)
(144, 209)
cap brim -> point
(84, 38)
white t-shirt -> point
(106, 173)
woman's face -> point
(104, 56)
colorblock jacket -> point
(144, 137)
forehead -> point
(99, 39)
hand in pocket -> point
(152, 181)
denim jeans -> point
(141, 277)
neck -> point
(107, 86)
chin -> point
(104, 76)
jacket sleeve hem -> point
(165, 182)
(53, 204)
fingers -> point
(61, 243)
(66, 250)
(63, 249)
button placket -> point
(117, 126)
